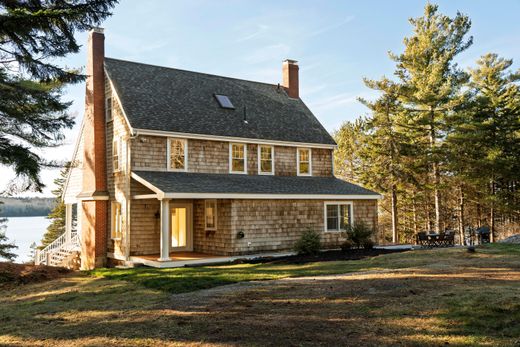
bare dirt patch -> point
(14, 274)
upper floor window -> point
(265, 160)
(210, 213)
(238, 158)
(108, 109)
(338, 216)
(116, 155)
(304, 162)
(177, 149)
(117, 221)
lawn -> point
(434, 297)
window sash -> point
(108, 108)
(117, 221)
(238, 157)
(338, 216)
(116, 155)
(177, 154)
(266, 159)
(210, 214)
(304, 161)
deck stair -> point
(60, 249)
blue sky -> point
(337, 43)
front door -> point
(181, 227)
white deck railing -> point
(54, 253)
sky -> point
(337, 44)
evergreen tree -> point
(57, 215)
(6, 247)
(430, 85)
(486, 139)
(32, 112)
(350, 138)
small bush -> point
(360, 234)
(368, 244)
(309, 243)
(347, 245)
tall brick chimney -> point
(290, 78)
(94, 196)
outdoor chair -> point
(422, 239)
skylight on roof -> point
(224, 101)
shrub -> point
(368, 244)
(347, 245)
(309, 243)
(360, 234)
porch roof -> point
(205, 185)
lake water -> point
(23, 231)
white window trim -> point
(260, 160)
(116, 144)
(205, 219)
(113, 235)
(168, 156)
(108, 119)
(298, 161)
(327, 203)
(231, 158)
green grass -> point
(181, 280)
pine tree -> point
(57, 215)
(431, 83)
(32, 112)
(486, 139)
(350, 138)
(6, 247)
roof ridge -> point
(195, 72)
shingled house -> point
(173, 164)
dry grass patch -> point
(418, 298)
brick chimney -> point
(290, 78)
(94, 196)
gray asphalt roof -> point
(160, 98)
(181, 182)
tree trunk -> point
(492, 213)
(395, 236)
(414, 213)
(461, 215)
(436, 174)
(479, 215)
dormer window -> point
(177, 154)
(265, 160)
(303, 161)
(237, 158)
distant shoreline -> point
(25, 207)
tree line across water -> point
(441, 143)
(25, 207)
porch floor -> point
(181, 259)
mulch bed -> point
(331, 255)
(13, 273)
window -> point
(117, 221)
(108, 109)
(265, 160)
(224, 101)
(304, 162)
(210, 214)
(338, 216)
(116, 155)
(238, 155)
(177, 154)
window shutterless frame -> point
(302, 160)
(237, 152)
(170, 152)
(116, 155)
(108, 109)
(116, 221)
(331, 206)
(210, 204)
(263, 149)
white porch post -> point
(68, 223)
(165, 230)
